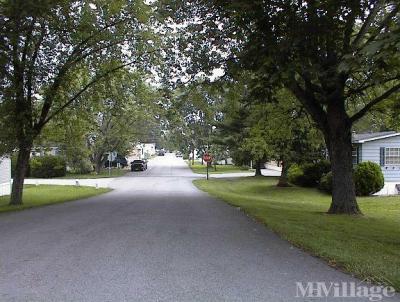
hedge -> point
(308, 175)
(48, 166)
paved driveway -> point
(154, 238)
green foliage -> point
(54, 52)
(192, 116)
(269, 130)
(368, 178)
(82, 166)
(313, 172)
(218, 152)
(48, 166)
(340, 59)
(308, 175)
(115, 116)
(294, 173)
(325, 184)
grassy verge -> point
(367, 246)
(35, 196)
(202, 169)
(103, 174)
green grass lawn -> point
(103, 174)
(202, 169)
(35, 196)
(367, 246)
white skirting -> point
(388, 189)
(5, 188)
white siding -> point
(371, 152)
(5, 176)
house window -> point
(354, 154)
(392, 156)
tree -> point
(277, 129)
(331, 55)
(234, 124)
(114, 117)
(285, 130)
(68, 131)
(123, 115)
(218, 153)
(196, 106)
(52, 52)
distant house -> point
(148, 149)
(382, 148)
(142, 150)
(5, 176)
(42, 151)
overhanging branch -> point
(374, 102)
(95, 80)
(364, 87)
(367, 24)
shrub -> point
(368, 178)
(82, 166)
(308, 175)
(295, 172)
(325, 184)
(312, 173)
(48, 166)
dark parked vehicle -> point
(118, 160)
(138, 165)
(122, 161)
(161, 153)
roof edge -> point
(377, 138)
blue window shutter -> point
(382, 156)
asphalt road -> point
(154, 238)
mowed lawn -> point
(35, 196)
(367, 246)
(103, 174)
(202, 169)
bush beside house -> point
(48, 166)
(368, 179)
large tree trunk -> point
(98, 162)
(283, 178)
(193, 157)
(20, 173)
(98, 167)
(258, 168)
(338, 139)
